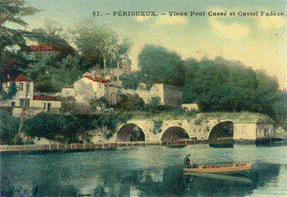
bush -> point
(131, 102)
(57, 127)
(9, 126)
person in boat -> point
(187, 161)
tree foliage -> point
(11, 11)
(50, 73)
(280, 109)
(221, 85)
(8, 128)
(97, 44)
(154, 104)
(131, 102)
(52, 34)
(52, 126)
(159, 65)
(12, 90)
(101, 103)
(132, 80)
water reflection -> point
(167, 182)
(75, 175)
(175, 183)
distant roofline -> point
(45, 98)
(18, 78)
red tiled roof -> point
(19, 78)
(104, 81)
(45, 98)
(98, 79)
(70, 87)
(41, 48)
(91, 78)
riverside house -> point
(24, 97)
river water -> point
(144, 171)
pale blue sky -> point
(256, 41)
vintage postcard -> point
(143, 98)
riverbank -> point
(95, 146)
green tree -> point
(11, 11)
(97, 44)
(121, 53)
(51, 74)
(132, 80)
(154, 104)
(131, 102)
(280, 109)
(11, 92)
(52, 34)
(161, 66)
(101, 102)
(8, 128)
(68, 104)
(221, 85)
(57, 127)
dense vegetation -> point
(8, 128)
(69, 128)
(217, 85)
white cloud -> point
(270, 21)
(234, 31)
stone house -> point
(46, 103)
(25, 98)
(24, 93)
(90, 87)
(169, 95)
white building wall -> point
(99, 89)
(25, 90)
(155, 91)
(169, 95)
(41, 103)
(84, 91)
(68, 92)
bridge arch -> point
(222, 130)
(174, 133)
(130, 132)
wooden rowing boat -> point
(226, 168)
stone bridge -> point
(169, 130)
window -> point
(49, 106)
(44, 105)
(13, 104)
(21, 86)
(24, 102)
